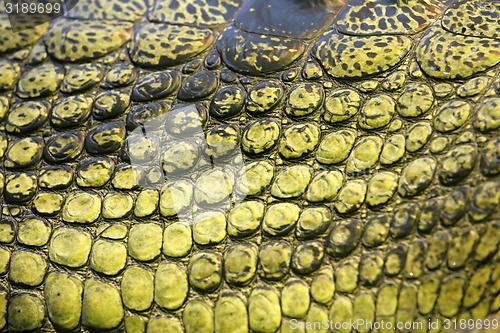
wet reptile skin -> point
(182, 166)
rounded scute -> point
(71, 111)
(214, 186)
(324, 186)
(145, 241)
(137, 288)
(171, 286)
(108, 257)
(102, 305)
(341, 105)
(343, 238)
(364, 155)
(377, 112)
(263, 96)
(487, 115)
(351, 196)
(416, 99)
(231, 315)
(240, 264)
(82, 207)
(24, 153)
(336, 146)
(40, 81)
(313, 221)
(451, 115)
(274, 260)
(205, 271)
(70, 247)
(227, 102)
(27, 116)
(209, 228)
(19, 273)
(198, 317)
(63, 295)
(81, 77)
(260, 136)
(291, 182)
(198, 86)
(250, 53)
(304, 99)
(20, 187)
(307, 257)
(299, 140)
(264, 310)
(26, 312)
(244, 218)
(64, 147)
(155, 86)
(280, 218)
(416, 177)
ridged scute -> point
(473, 18)
(385, 17)
(168, 45)
(444, 55)
(75, 40)
(348, 57)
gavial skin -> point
(238, 166)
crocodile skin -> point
(238, 166)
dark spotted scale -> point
(236, 166)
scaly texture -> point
(182, 166)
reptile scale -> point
(239, 166)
